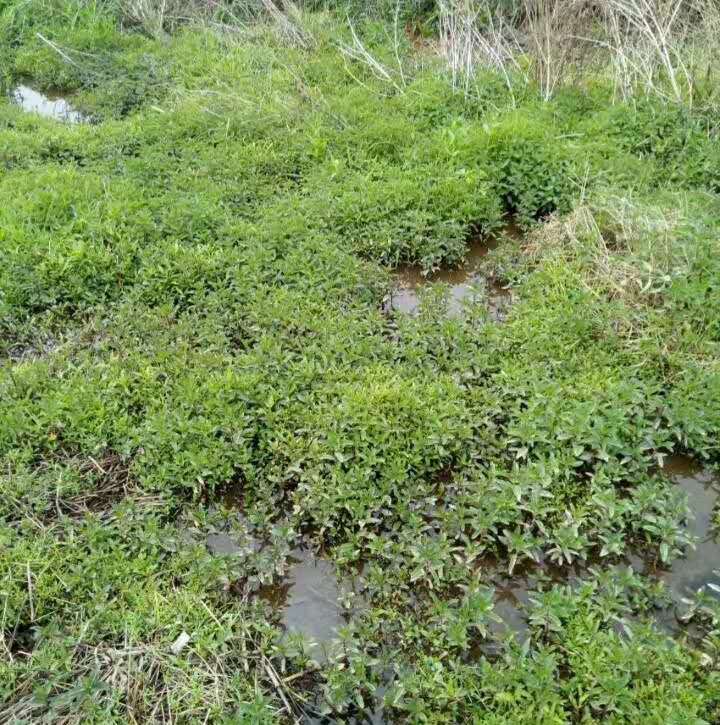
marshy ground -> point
(332, 390)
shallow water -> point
(512, 594)
(221, 544)
(52, 105)
(683, 579)
(308, 597)
(513, 591)
(465, 280)
(695, 570)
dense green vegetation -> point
(193, 301)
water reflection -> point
(697, 568)
(309, 597)
(51, 105)
(462, 282)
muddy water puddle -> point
(310, 598)
(512, 597)
(462, 282)
(50, 105)
(221, 544)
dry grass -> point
(667, 48)
(158, 17)
(394, 74)
(664, 47)
(555, 40)
(466, 46)
(627, 251)
(149, 679)
(543, 42)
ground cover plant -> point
(198, 344)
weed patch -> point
(206, 375)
